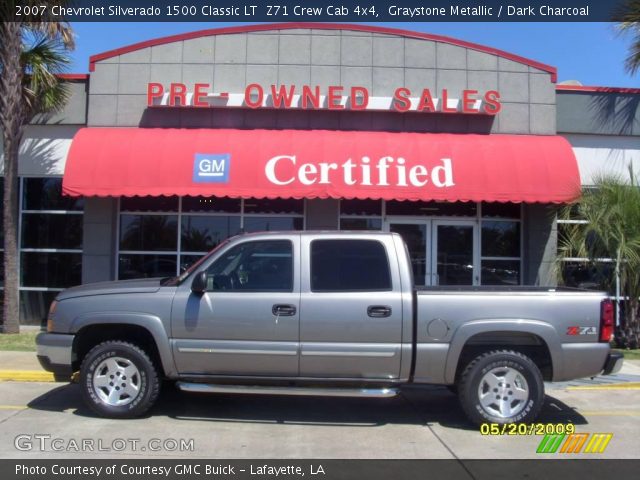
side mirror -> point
(199, 283)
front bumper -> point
(613, 364)
(55, 354)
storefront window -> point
(202, 233)
(41, 230)
(361, 215)
(149, 204)
(50, 245)
(282, 206)
(272, 224)
(500, 253)
(211, 205)
(437, 209)
(163, 236)
(52, 270)
(360, 223)
(500, 272)
(500, 210)
(370, 208)
(139, 266)
(46, 194)
(501, 239)
(148, 232)
(34, 305)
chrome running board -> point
(309, 391)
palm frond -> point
(629, 17)
(43, 22)
(628, 14)
(42, 89)
(611, 212)
(60, 31)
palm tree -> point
(31, 53)
(610, 237)
(629, 18)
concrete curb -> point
(25, 376)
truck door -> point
(351, 309)
(247, 322)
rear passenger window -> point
(349, 265)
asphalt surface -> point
(420, 423)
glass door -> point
(417, 236)
(455, 253)
(443, 252)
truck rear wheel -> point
(501, 387)
(119, 380)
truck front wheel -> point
(119, 380)
(501, 387)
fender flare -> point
(151, 323)
(539, 328)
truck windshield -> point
(184, 275)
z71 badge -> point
(582, 331)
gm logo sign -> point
(211, 167)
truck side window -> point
(260, 266)
(349, 265)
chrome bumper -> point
(55, 354)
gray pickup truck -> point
(323, 313)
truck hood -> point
(144, 285)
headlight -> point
(52, 310)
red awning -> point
(321, 164)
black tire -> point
(524, 406)
(144, 380)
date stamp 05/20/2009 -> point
(527, 428)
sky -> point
(592, 53)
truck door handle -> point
(283, 310)
(378, 311)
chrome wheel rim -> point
(116, 381)
(503, 392)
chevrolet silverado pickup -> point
(323, 313)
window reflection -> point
(202, 233)
(148, 232)
(500, 272)
(200, 226)
(51, 231)
(272, 224)
(146, 266)
(500, 239)
(46, 194)
(51, 270)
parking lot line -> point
(610, 413)
(25, 376)
(13, 407)
(613, 386)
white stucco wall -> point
(605, 154)
(43, 150)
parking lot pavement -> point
(421, 423)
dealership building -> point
(169, 146)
